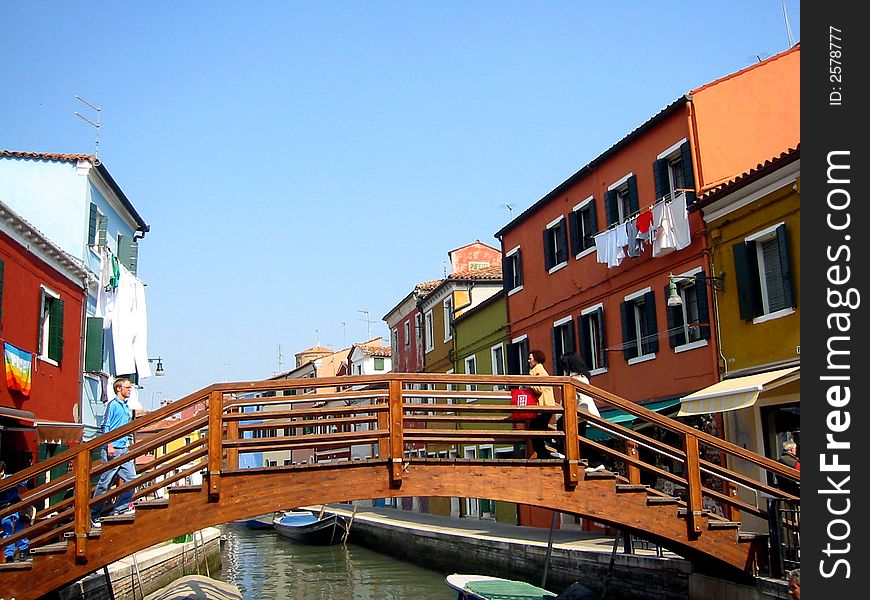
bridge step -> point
(114, 519)
(185, 489)
(723, 524)
(149, 504)
(600, 475)
(682, 512)
(631, 487)
(751, 536)
(662, 500)
(56, 548)
(17, 566)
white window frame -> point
(671, 154)
(632, 298)
(407, 332)
(45, 317)
(619, 186)
(579, 207)
(492, 353)
(447, 305)
(430, 331)
(587, 311)
(768, 233)
(511, 256)
(681, 290)
(553, 239)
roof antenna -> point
(787, 25)
(96, 125)
(510, 208)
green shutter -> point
(102, 227)
(746, 274)
(549, 258)
(562, 233)
(652, 328)
(630, 345)
(703, 308)
(688, 174)
(633, 197)
(785, 265)
(603, 334)
(574, 233)
(92, 225)
(660, 177)
(55, 330)
(94, 345)
(610, 210)
(507, 273)
(128, 252)
(519, 267)
(676, 334)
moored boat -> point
(260, 521)
(306, 527)
(483, 587)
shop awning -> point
(56, 432)
(625, 418)
(736, 393)
(15, 419)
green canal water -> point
(265, 566)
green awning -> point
(625, 418)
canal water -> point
(265, 566)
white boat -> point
(483, 587)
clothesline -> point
(663, 200)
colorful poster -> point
(18, 368)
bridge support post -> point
(572, 441)
(232, 434)
(694, 501)
(82, 509)
(633, 471)
(397, 445)
(215, 446)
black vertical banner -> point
(834, 106)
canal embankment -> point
(151, 569)
(450, 544)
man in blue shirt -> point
(15, 522)
(117, 415)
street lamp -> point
(159, 372)
(717, 283)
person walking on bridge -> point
(116, 416)
(545, 395)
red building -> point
(42, 292)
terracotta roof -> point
(315, 349)
(738, 181)
(50, 156)
(379, 351)
(492, 273)
(428, 286)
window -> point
(621, 200)
(763, 271)
(394, 341)
(97, 224)
(517, 356)
(498, 365)
(128, 252)
(448, 319)
(471, 369)
(639, 328)
(50, 340)
(690, 323)
(563, 342)
(584, 225)
(379, 363)
(555, 245)
(672, 171)
(408, 332)
(512, 271)
(94, 344)
(430, 332)
(592, 339)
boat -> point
(259, 522)
(307, 527)
(483, 587)
(197, 586)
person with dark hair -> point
(14, 522)
(794, 584)
(574, 366)
(545, 398)
(117, 415)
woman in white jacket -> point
(574, 366)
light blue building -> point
(74, 201)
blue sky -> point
(301, 162)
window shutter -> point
(610, 210)
(593, 224)
(554, 368)
(92, 225)
(676, 334)
(746, 274)
(603, 336)
(583, 341)
(785, 265)
(507, 265)
(703, 308)
(688, 174)
(55, 331)
(633, 199)
(562, 233)
(660, 177)
(629, 343)
(652, 327)
(514, 358)
(128, 252)
(94, 345)
(575, 226)
(102, 227)
(518, 267)
(549, 259)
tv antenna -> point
(93, 123)
(787, 24)
(510, 208)
(368, 322)
(343, 334)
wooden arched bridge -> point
(395, 435)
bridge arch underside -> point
(249, 492)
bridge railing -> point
(396, 418)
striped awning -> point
(736, 393)
(626, 419)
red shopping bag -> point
(523, 397)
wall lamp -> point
(674, 299)
(159, 372)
